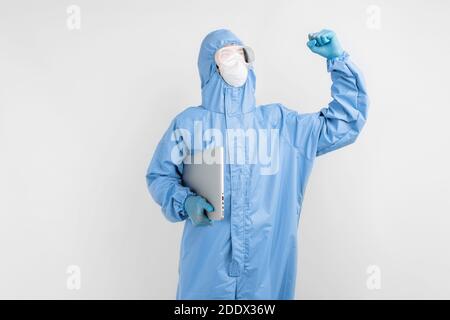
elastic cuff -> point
(342, 58)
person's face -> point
(233, 63)
(229, 54)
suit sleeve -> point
(338, 124)
(164, 176)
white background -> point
(81, 112)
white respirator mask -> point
(233, 63)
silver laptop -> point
(203, 174)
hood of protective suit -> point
(217, 95)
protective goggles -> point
(227, 54)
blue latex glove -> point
(325, 44)
(195, 207)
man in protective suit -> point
(252, 252)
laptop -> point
(203, 173)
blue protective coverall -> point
(252, 253)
